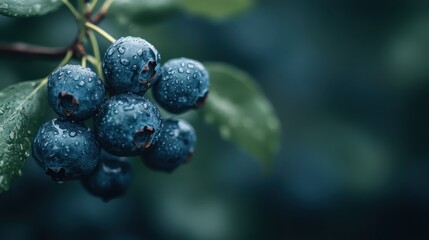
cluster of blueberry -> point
(126, 124)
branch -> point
(102, 12)
(100, 31)
(24, 50)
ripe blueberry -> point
(110, 179)
(127, 124)
(184, 85)
(131, 64)
(174, 147)
(65, 150)
(75, 92)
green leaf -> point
(215, 9)
(22, 107)
(128, 12)
(28, 8)
(241, 112)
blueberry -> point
(131, 64)
(75, 92)
(184, 85)
(127, 124)
(65, 150)
(110, 179)
(174, 147)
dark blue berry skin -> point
(131, 64)
(110, 179)
(184, 85)
(174, 147)
(65, 150)
(127, 124)
(74, 92)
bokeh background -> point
(349, 81)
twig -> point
(22, 49)
(83, 62)
(100, 31)
(92, 5)
(102, 12)
(72, 9)
(96, 51)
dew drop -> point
(111, 51)
(125, 62)
(129, 108)
(121, 50)
(11, 135)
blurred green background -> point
(349, 81)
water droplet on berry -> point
(111, 51)
(125, 62)
(129, 108)
(121, 50)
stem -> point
(92, 60)
(83, 61)
(72, 9)
(96, 64)
(66, 58)
(96, 51)
(92, 5)
(100, 31)
(22, 49)
(102, 12)
(81, 21)
(63, 62)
